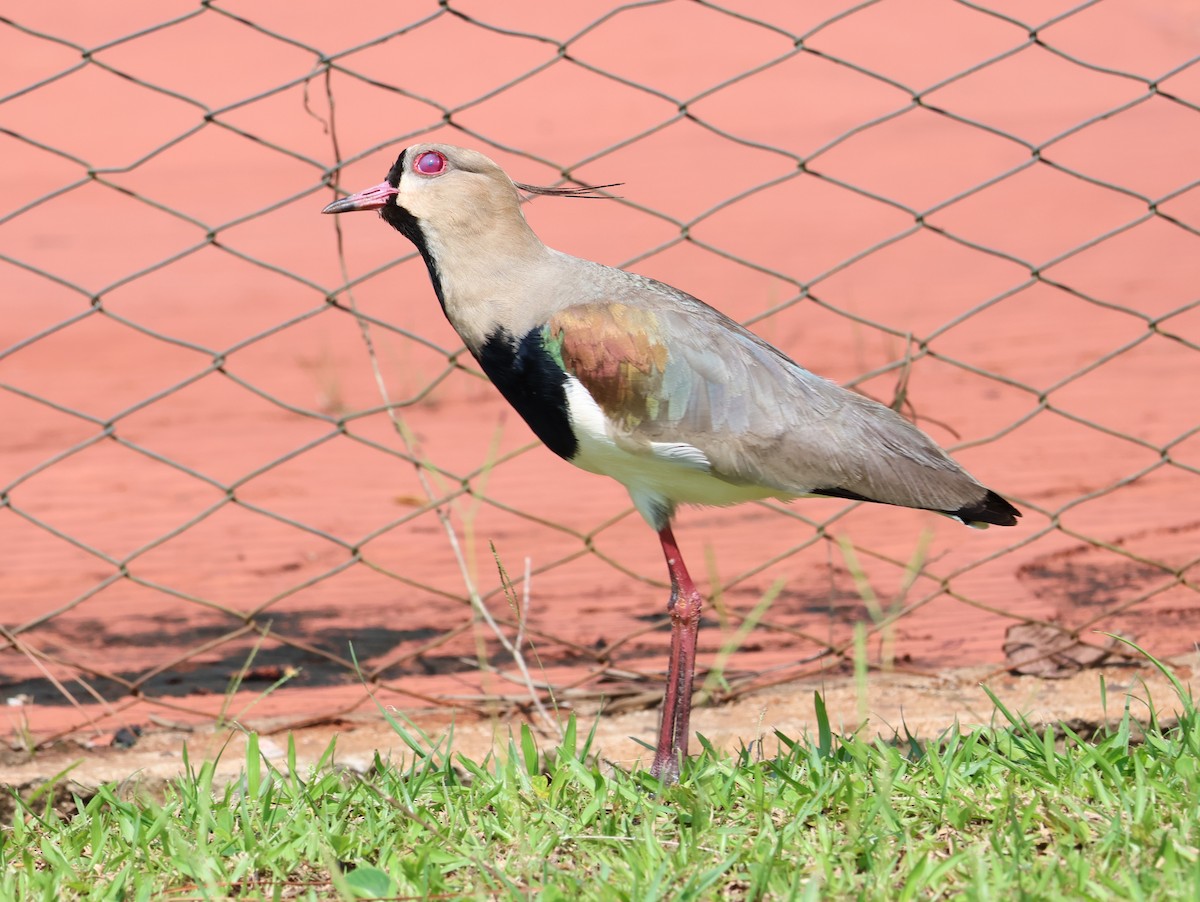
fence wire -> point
(242, 451)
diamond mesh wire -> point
(242, 449)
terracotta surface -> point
(195, 438)
(890, 705)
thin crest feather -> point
(591, 192)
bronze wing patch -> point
(617, 353)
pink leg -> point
(684, 607)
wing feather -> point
(667, 368)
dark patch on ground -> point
(1068, 580)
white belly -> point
(658, 476)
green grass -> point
(1003, 812)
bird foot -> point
(665, 769)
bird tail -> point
(992, 510)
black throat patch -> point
(410, 227)
(534, 384)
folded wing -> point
(666, 368)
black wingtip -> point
(991, 510)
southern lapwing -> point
(625, 376)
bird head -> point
(429, 182)
(464, 216)
(439, 187)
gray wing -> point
(666, 367)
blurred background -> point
(243, 451)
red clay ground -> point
(925, 707)
(173, 466)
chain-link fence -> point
(241, 447)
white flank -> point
(658, 475)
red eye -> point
(430, 163)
